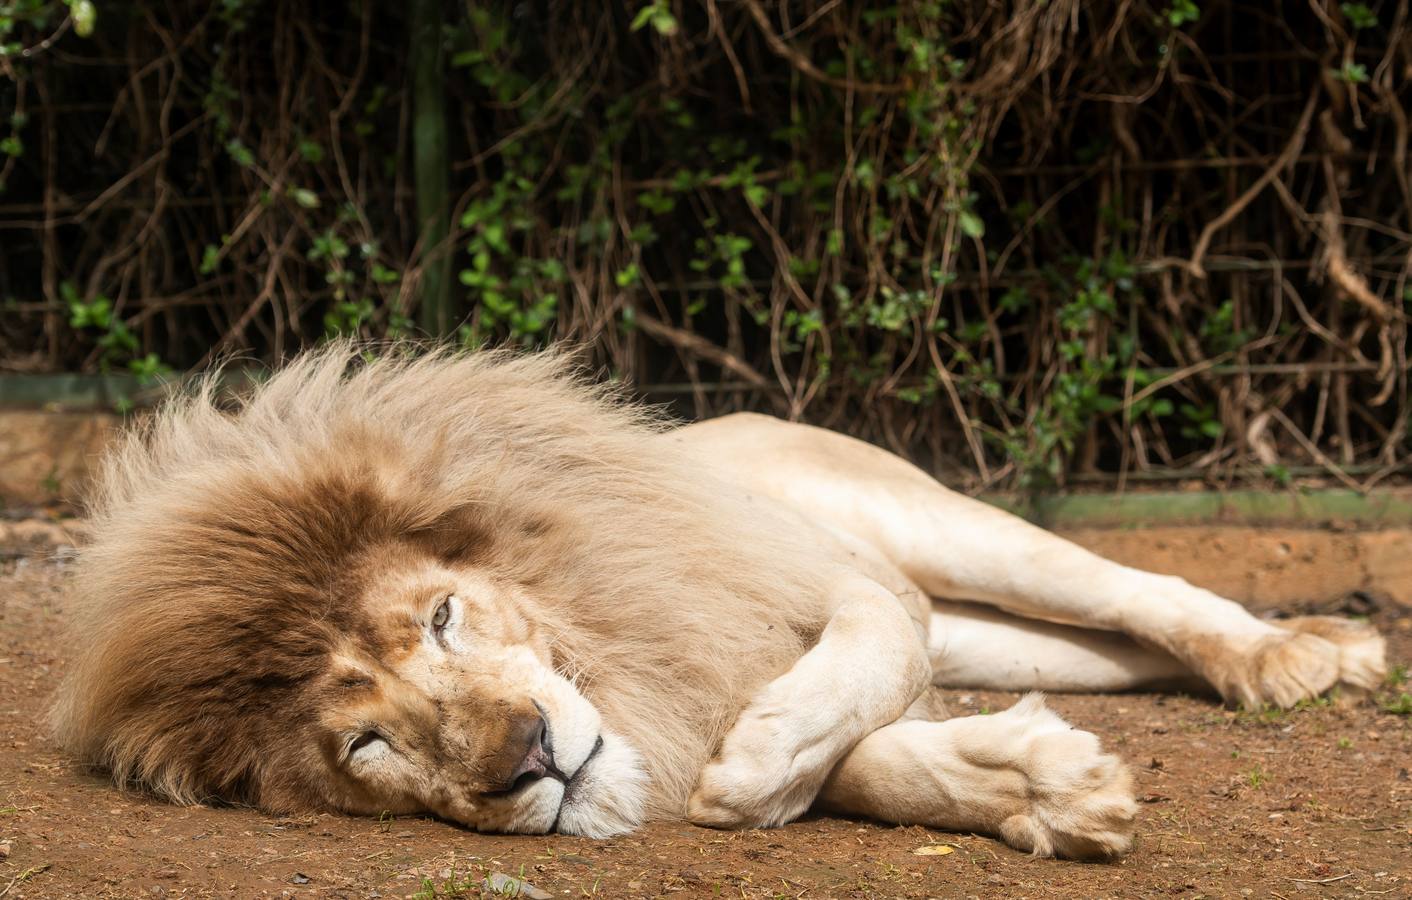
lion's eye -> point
(364, 740)
(442, 615)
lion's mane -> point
(225, 535)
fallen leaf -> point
(934, 850)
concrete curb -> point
(1385, 508)
(48, 456)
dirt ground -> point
(1316, 802)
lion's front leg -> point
(869, 665)
(1024, 775)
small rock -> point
(300, 878)
(500, 883)
(4, 849)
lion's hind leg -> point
(975, 646)
(954, 546)
(1024, 775)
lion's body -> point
(747, 589)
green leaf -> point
(972, 224)
(210, 259)
(85, 15)
(304, 197)
(628, 277)
(1354, 73)
(643, 234)
(311, 151)
(240, 153)
(643, 16)
(495, 237)
(1181, 12)
(149, 368)
(658, 15)
(1106, 404)
(665, 23)
(1359, 15)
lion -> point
(479, 586)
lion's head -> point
(470, 585)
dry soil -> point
(1316, 802)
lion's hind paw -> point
(1362, 652)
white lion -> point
(477, 586)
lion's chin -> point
(607, 795)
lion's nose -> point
(537, 759)
(528, 742)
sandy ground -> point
(1316, 802)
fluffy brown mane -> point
(226, 541)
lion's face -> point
(374, 585)
(451, 705)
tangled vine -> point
(1025, 243)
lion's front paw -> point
(736, 791)
(1079, 800)
(725, 797)
(1082, 807)
(762, 777)
(729, 795)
